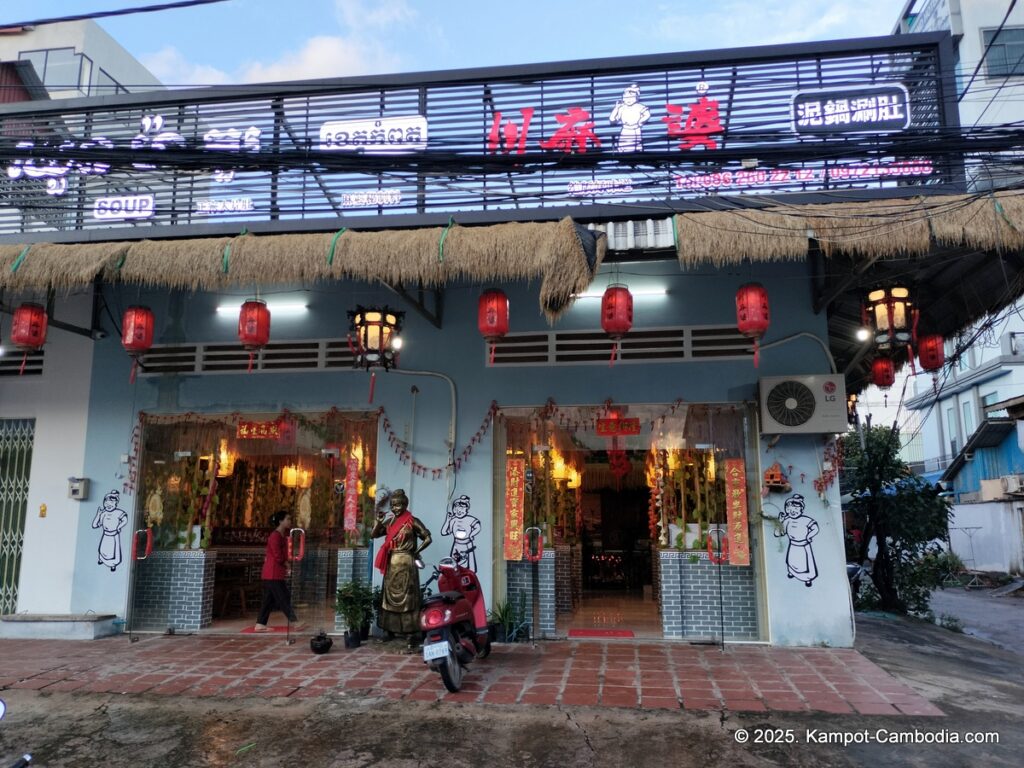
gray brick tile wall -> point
(701, 599)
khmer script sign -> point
(380, 136)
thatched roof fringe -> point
(551, 251)
(722, 238)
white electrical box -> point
(78, 488)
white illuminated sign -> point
(231, 139)
(874, 109)
(127, 207)
(372, 198)
(54, 171)
(153, 136)
(233, 205)
(590, 187)
(380, 136)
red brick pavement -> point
(633, 674)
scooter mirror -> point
(419, 564)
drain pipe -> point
(450, 469)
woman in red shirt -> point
(275, 571)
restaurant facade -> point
(616, 377)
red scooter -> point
(454, 623)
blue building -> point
(595, 456)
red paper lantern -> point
(137, 330)
(616, 315)
(752, 313)
(883, 372)
(136, 335)
(28, 331)
(931, 351)
(254, 327)
(492, 318)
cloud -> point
(792, 21)
(357, 14)
(171, 67)
(321, 56)
(324, 56)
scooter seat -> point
(445, 597)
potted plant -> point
(509, 620)
(354, 603)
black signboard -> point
(876, 109)
(631, 137)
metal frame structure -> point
(421, 149)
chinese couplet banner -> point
(618, 427)
(515, 491)
(736, 511)
(351, 494)
(259, 430)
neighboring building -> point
(76, 58)
(994, 91)
(963, 444)
(421, 191)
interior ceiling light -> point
(634, 292)
(277, 308)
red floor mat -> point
(600, 633)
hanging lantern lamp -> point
(752, 313)
(889, 315)
(137, 335)
(931, 352)
(883, 372)
(492, 318)
(376, 339)
(616, 315)
(28, 330)
(254, 327)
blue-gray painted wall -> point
(694, 297)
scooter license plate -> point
(433, 651)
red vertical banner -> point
(736, 512)
(515, 493)
(351, 494)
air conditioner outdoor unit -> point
(1013, 483)
(803, 405)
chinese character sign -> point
(575, 130)
(515, 493)
(618, 427)
(736, 512)
(857, 110)
(702, 121)
(509, 137)
(351, 494)
(258, 430)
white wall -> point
(998, 540)
(58, 400)
(993, 366)
(822, 613)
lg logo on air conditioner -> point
(829, 388)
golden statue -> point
(405, 538)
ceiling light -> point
(863, 334)
(277, 308)
(635, 292)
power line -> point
(984, 54)
(120, 12)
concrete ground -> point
(979, 688)
(999, 620)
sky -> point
(245, 41)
